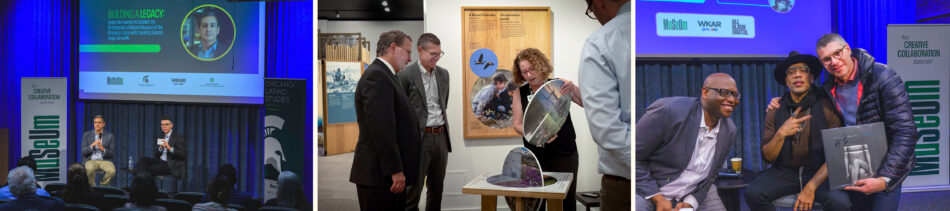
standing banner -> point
(919, 54)
(43, 126)
(285, 102)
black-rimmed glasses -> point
(725, 92)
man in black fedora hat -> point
(791, 140)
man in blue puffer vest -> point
(865, 92)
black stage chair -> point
(173, 204)
(109, 190)
(190, 197)
(80, 207)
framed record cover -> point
(853, 153)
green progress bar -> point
(129, 48)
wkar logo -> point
(709, 25)
(178, 81)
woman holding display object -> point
(532, 70)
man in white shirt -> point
(427, 86)
(605, 90)
(681, 142)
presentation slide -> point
(171, 51)
(722, 28)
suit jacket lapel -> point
(443, 86)
(417, 79)
(723, 140)
(389, 73)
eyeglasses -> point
(436, 54)
(589, 12)
(163, 124)
(725, 92)
(796, 70)
(836, 54)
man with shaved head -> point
(676, 126)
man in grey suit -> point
(387, 152)
(681, 142)
(428, 88)
(97, 150)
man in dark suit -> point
(681, 142)
(387, 152)
(22, 184)
(169, 155)
(427, 86)
(97, 151)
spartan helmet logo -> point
(274, 154)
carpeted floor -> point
(334, 190)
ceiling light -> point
(386, 9)
(385, 3)
(337, 14)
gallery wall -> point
(473, 157)
(372, 29)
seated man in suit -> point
(97, 151)
(23, 186)
(387, 152)
(171, 154)
(681, 142)
(792, 142)
(27, 162)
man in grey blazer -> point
(427, 85)
(681, 142)
(97, 151)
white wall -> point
(473, 157)
(372, 29)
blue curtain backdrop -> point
(40, 41)
(863, 23)
(289, 54)
(214, 134)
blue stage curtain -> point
(215, 135)
(289, 54)
(754, 79)
(863, 23)
(38, 40)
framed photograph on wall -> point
(491, 38)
